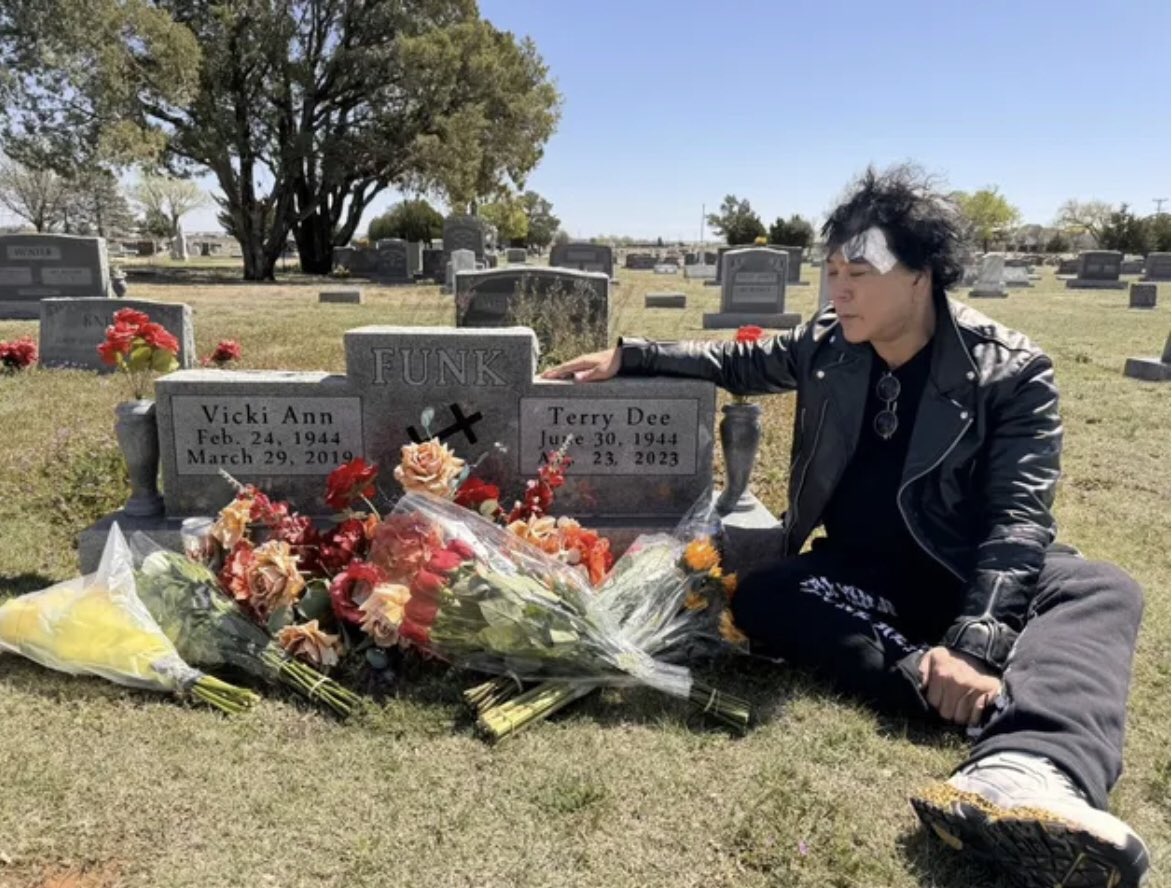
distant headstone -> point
(1151, 369)
(73, 328)
(690, 259)
(990, 279)
(391, 261)
(414, 259)
(517, 256)
(1067, 266)
(146, 248)
(583, 257)
(461, 261)
(1142, 296)
(720, 251)
(1017, 276)
(753, 290)
(1158, 267)
(700, 272)
(823, 288)
(42, 266)
(512, 296)
(433, 265)
(179, 247)
(666, 268)
(341, 297)
(795, 265)
(640, 261)
(665, 300)
(466, 233)
(1131, 265)
(1098, 270)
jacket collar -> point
(953, 370)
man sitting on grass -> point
(926, 444)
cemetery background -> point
(814, 796)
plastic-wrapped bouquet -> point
(474, 594)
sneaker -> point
(1025, 815)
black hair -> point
(923, 226)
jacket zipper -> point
(903, 513)
(806, 471)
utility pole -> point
(702, 228)
(1159, 202)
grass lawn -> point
(104, 787)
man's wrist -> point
(982, 638)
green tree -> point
(736, 222)
(797, 232)
(155, 225)
(1089, 216)
(1160, 232)
(1126, 232)
(987, 214)
(304, 110)
(95, 205)
(509, 218)
(1058, 243)
(411, 220)
(543, 224)
(169, 198)
(561, 237)
(37, 196)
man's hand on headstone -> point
(957, 686)
(587, 368)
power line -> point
(1159, 202)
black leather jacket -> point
(982, 463)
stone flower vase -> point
(138, 437)
(740, 436)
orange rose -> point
(403, 544)
(232, 522)
(273, 578)
(541, 532)
(429, 466)
(382, 613)
(308, 642)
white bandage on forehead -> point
(870, 246)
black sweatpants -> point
(866, 627)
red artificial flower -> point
(351, 587)
(156, 336)
(119, 340)
(265, 511)
(227, 350)
(426, 584)
(234, 573)
(298, 531)
(410, 631)
(403, 544)
(131, 318)
(461, 548)
(420, 610)
(444, 561)
(749, 333)
(473, 493)
(350, 481)
(18, 353)
(341, 545)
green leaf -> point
(140, 358)
(279, 619)
(315, 603)
(162, 361)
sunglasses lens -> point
(886, 423)
(887, 388)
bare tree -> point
(163, 197)
(1089, 216)
(37, 196)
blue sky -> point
(671, 105)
